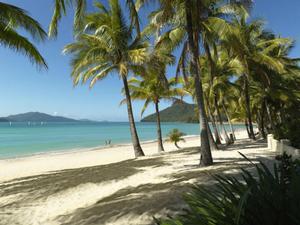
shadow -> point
(247, 144)
(45, 185)
(143, 202)
(133, 204)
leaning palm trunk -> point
(273, 127)
(227, 140)
(206, 157)
(211, 65)
(216, 132)
(134, 136)
(247, 127)
(248, 110)
(213, 122)
(262, 121)
(212, 142)
(229, 121)
(159, 136)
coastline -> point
(77, 150)
(109, 186)
(44, 163)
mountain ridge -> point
(178, 112)
(36, 117)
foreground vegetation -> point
(268, 197)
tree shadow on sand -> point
(247, 144)
(130, 204)
(143, 202)
(42, 186)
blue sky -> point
(24, 88)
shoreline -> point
(78, 150)
(88, 149)
(16, 168)
(117, 189)
(21, 167)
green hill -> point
(35, 117)
(178, 112)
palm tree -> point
(190, 17)
(12, 18)
(206, 157)
(188, 87)
(218, 87)
(107, 46)
(61, 8)
(175, 136)
(247, 42)
(273, 93)
(153, 91)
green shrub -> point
(272, 197)
(175, 136)
(291, 131)
(289, 128)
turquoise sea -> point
(22, 139)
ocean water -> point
(22, 139)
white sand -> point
(39, 208)
(39, 164)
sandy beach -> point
(109, 186)
(42, 163)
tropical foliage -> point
(12, 19)
(175, 136)
(152, 90)
(234, 69)
(269, 197)
(105, 46)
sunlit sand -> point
(108, 186)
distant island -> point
(178, 112)
(37, 117)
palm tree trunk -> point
(227, 140)
(218, 127)
(138, 151)
(206, 157)
(247, 127)
(270, 117)
(159, 136)
(212, 142)
(229, 120)
(216, 132)
(175, 143)
(213, 122)
(248, 109)
(262, 120)
(211, 64)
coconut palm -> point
(11, 19)
(153, 91)
(218, 86)
(189, 20)
(175, 136)
(107, 46)
(248, 43)
(274, 92)
(188, 87)
(61, 9)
